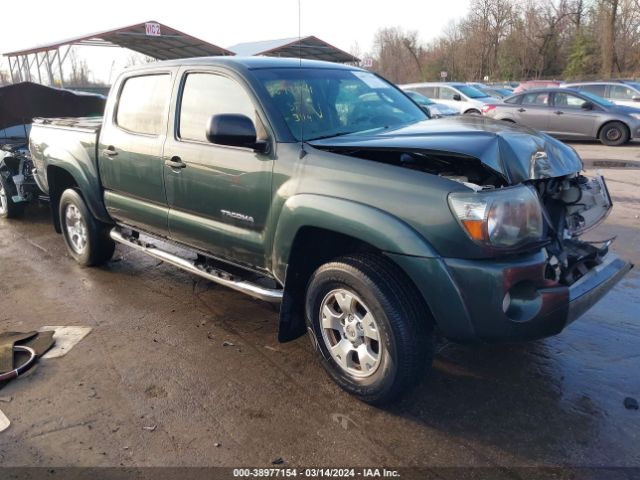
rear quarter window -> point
(142, 105)
(513, 100)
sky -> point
(343, 23)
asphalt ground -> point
(180, 372)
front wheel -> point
(8, 208)
(373, 331)
(87, 239)
(614, 134)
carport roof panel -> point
(308, 47)
(170, 44)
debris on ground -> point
(227, 343)
(278, 461)
(631, 403)
(6, 399)
(210, 336)
(151, 428)
(217, 444)
(4, 422)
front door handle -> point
(522, 110)
(558, 112)
(175, 162)
(110, 151)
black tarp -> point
(21, 102)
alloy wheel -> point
(350, 333)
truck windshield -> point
(322, 103)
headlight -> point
(635, 115)
(503, 218)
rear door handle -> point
(110, 151)
(175, 162)
(522, 110)
(558, 112)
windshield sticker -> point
(371, 80)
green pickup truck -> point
(326, 189)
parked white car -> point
(619, 92)
(460, 96)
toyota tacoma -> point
(324, 188)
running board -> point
(215, 275)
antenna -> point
(302, 150)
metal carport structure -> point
(310, 47)
(148, 38)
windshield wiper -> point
(339, 134)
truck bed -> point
(82, 123)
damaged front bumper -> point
(507, 300)
(594, 285)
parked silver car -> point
(570, 114)
(620, 92)
(435, 110)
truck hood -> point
(515, 152)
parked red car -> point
(529, 84)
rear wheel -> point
(8, 208)
(374, 333)
(472, 112)
(87, 239)
(614, 134)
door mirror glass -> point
(234, 130)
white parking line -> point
(4, 422)
(66, 338)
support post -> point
(49, 71)
(13, 78)
(60, 68)
(38, 67)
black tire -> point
(403, 324)
(614, 134)
(472, 112)
(98, 247)
(8, 208)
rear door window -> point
(430, 92)
(568, 101)
(142, 106)
(536, 99)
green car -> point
(324, 188)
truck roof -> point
(250, 63)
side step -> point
(215, 275)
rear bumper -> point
(508, 300)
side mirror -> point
(234, 130)
(457, 97)
(587, 106)
(426, 110)
(635, 99)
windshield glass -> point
(596, 99)
(471, 92)
(320, 102)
